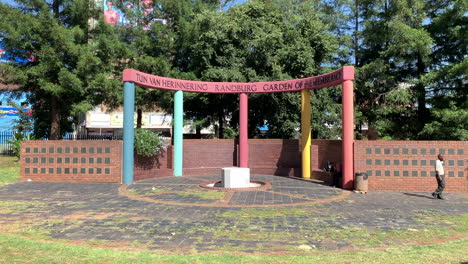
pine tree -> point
(446, 82)
(58, 79)
(393, 58)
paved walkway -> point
(175, 214)
(187, 191)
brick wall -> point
(208, 156)
(100, 161)
(283, 156)
(156, 167)
(391, 165)
(409, 165)
(71, 161)
(266, 156)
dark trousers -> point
(440, 185)
(337, 179)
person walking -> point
(440, 177)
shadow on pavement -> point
(428, 196)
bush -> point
(16, 142)
(147, 143)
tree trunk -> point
(54, 119)
(139, 117)
(356, 32)
(421, 94)
(56, 7)
(54, 105)
(198, 131)
(221, 124)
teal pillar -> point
(178, 132)
(128, 132)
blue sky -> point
(7, 1)
(237, 2)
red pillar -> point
(243, 135)
(348, 134)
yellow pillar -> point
(305, 133)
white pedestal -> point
(235, 177)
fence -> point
(7, 148)
(88, 137)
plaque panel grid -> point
(73, 161)
(411, 164)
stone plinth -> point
(235, 177)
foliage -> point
(410, 59)
(393, 57)
(446, 82)
(326, 113)
(147, 143)
(256, 42)
(25, 123)
(62, 77)
(18, 138)
(448, 123)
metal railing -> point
(90, 137)
(6, 148)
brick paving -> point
(283, 192)
(175, 214)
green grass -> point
(203, 194)
(265, 213)
(247, 234)
(7, 207)
(9, 170)
(20, 250)
(152, 191)
(359, 237)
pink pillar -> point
(243, 136)
(348, 134)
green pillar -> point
(178, 132)
(128, 132)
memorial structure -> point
(343, 77)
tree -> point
(257, 42)
(447, 81)
(393, 58)
(60, 77)
(24, 124)
(161, 49)
(449, 123)
(76, 66)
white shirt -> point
(439, 167)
